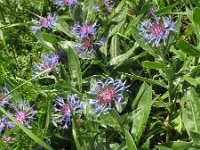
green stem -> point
(170, 86)
(28, 81)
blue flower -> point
(43, 22)
(61, 110)
(23, 112)
(86, 38)
(87, 45)
(106, 94)
(4, 122)
(48, 62)
(85, 30)
(4, 100)
(157, 29)
(69, 3)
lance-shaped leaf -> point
(129, 141)
(143, 102)
(191, 112)
(188, 48)
(74, 68)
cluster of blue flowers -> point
(86, 33)
(20, 110)
(103, 95)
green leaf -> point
(76, 132)
(78, 13)
(176, 145)
(64, 27)
(156, 82)
(141, 114)
(112, 119)
(90, 11)
(153, 65)
(188, 49)
(193, 81)
(133, 22)
(67, 44)
(74, 68)
(114, 47)
(27, 131)
(45, 39)
(115, 28)
(196, 17)
(104, 49)
(195, 137)
(129, 141)
(191, 112)
(165, 9)
(144, 44)
(121, 58)
(118, 21)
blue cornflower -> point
(86, 38)
(48, 62)
(4, 100)
(85, 30)
(23, 112)
(108, 5)
(4, 122)
(106, 94)
(43, 22)
(157, 29)
(69, 3)
(87, 45)
(61, 110)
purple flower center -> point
(87, 42)
(66, 1)
(45, 21)
(20, 115)
(157, 29)
(65, 110)
(106, 95)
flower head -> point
(85, 30)
(44, 22)
(87, 45)
(48, 62)
(86, 37)
(3, 98)
(4, 122)
(108, 5)
(106, 94)
(62, 112)
(157, 30)
(69, 3)
(23, 112)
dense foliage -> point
(100, 74)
